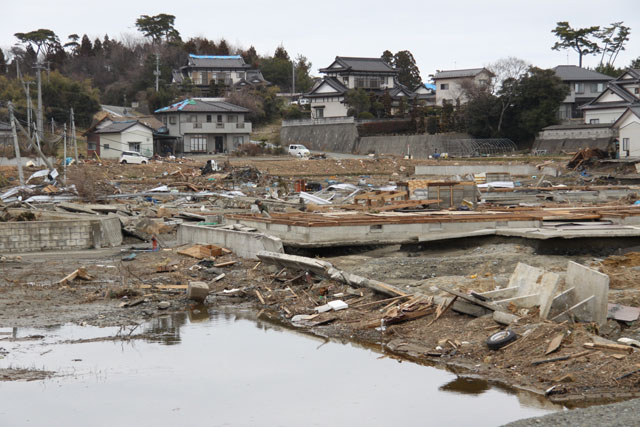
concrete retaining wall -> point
(4, 161)
(557, 146)
(344, 138)
(419, 146)
(32, 236)
(451, 170)
(335, 138)
(242, 243)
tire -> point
(501, 339)
(124, 162)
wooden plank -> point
(470, 298)
(225, 264)
(260, 297)
(554, 344)
(612, 347)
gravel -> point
(613, 415)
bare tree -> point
(507, 72)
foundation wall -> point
(33, 236)
(244, 244)
(451, 170)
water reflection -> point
(466, 386)
(232, 367)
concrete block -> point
(197, 291)
(582, 311)
(588, 282)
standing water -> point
(231, 369)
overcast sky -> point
(440, 34)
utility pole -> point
(64, 156)
(39, 116)
(27, 86)
(157, 71)
(73, 136)
(53, 128)
(15, 144)
(293, 78)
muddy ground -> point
(31, 297)
(126, 293)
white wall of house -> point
(110, 145)
(604, 115)
(451, 89)
(138, 138)
(629, 136)
(332, 106)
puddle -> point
(226, 368)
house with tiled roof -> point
(205, 125)
(450, 84)
(585, 85)
(628, 129)
(109, 138)
(620, 94)
(229, 71)
(327, 96)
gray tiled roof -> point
(196, 105)
(573, 73)
(371, 65)
(117, 127)
(454, 74)
(217, 61)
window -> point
(208, 118)
(636, 90)
(91, 145)
(483, 82)
(444, 86)
(191, 118)
(198, 143)
(134, 146)
(219, 118)
(625, 144)
(597, 87)
(172, 120)
(164, 120)
(319, 112)
(232, 118)
(594, 121)
(240, 74)
(579, 87)
(106, 146)
(345, 80)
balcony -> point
(214, 127)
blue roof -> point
(430, 86)
(215, 56)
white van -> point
(298, 150)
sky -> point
(442, 34)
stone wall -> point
(418, 146)
(335, 138)
(32, 236)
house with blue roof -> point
(229, 71)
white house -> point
(628, 128)
(450, 83)
(621, 93)
(584, 85)
(345, 73)
(206, 125)
(109, 139)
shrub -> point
(366, 115)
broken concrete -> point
(197, 291)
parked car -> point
(298, 150)
(133, 157)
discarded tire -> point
(500, 339)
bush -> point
(403, 127)
(250, 150)
(365, 115)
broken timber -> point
(327, 270)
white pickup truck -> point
(298, 150)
